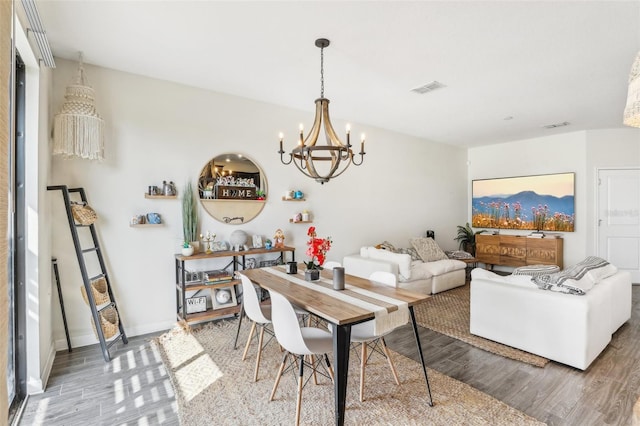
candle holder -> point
(208, 240)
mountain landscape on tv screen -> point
(524, 210)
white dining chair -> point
(363, 333)
(298, 342)
(331, 264)
(260, 316)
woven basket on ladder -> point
(83, 214)
(100, 291)
(109, 322)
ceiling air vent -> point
(429, 87)
(553, 126)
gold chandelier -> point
(322, 162)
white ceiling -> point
(539, 62)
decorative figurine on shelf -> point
(153, 218)
(267, 244)
(168, 189)
(278, 239)
(208, 240)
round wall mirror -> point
(232, 188)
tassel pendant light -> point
(78, 128)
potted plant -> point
(467, 238)
(189, 219)
(317, 251)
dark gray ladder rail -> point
(83, 269)
(54, 263)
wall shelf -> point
(293, 199)
(300, 221)
(160, 196)
(142, 225)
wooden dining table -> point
(341, 313)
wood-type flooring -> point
(134, 389)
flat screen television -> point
(539, 202)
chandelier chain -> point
(322, 72)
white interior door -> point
(619, 219)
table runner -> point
(384, 321)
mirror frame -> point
(238, 206)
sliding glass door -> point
(16, 356)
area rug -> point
(449, 313)
(214, 386)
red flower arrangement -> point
(317, 250)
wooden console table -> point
(516, 250)
(237, 259)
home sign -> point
(236, 192)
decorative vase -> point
(187, 251)
(312, 274)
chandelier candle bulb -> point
(301, 134)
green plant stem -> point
(189, 215)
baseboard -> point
(48, 366)
(131, 331)
(36, 385)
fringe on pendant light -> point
(78, 130)
(632, 110)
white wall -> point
(163, 131)
(579, 152)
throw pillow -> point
(411, 252)
(577, 279)
(564, 282)
(536, 270)
(599, 274)
(386, 245)
(458, 254)
(428, 249)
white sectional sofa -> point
(568, 328)
(416, 275)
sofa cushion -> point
(517, 280)
(440, 267)
(428, 249)
(402, 260)
(418, 271)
